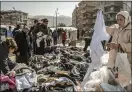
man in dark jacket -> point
(55, 36)
(44, 27)
(14, 31)
(32, 33)
(87, 40)
(87, 43)
(41, 37)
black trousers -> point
(63, 42)
(34, 47)
(55, 41)
(22, 58)
(86, 46)
(48, 42)
(40, 50)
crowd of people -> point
(24, 42)
(33, 40)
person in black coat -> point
(22, 51)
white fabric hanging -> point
(96, 48)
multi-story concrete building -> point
(82, 16)
(87, 15)
(111, 8)
(77, 18)
(74, 17)
(12, 17)
(127, 6)
(87, 11)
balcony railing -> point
(114, 4)
(110, 19)
(110, 12)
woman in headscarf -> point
(22, 51)
(121, 38)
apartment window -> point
(112, 8)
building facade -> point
(13, 17)
(82, 17)
(127, 6)
(111, 8)
(85, 15)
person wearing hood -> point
(121, 35)
(121, 38)
(22, 51)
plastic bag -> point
(104, 74)
(90, 85)
(105, 58)
(26, 81)
(95, 75)
(124, 69)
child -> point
(6, 63)
(12, 47)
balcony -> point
(25, 19)
(108, 12)
(88, 18)
(94, 15)
(84, 22)
(87, 11)
(93, 21)
(113, 4)
(110, 19)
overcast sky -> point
(41, 8)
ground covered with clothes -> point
(60, 69)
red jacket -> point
(64, 36)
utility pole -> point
(56, 17)
(15, 15)
(53, 21)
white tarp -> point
(65, 28)
(96, 48)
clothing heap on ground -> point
(59, 69)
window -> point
(112, 9)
